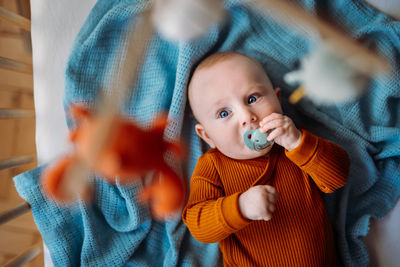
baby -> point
(234, 190)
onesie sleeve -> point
(209, 214)
(327, 163)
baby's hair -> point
(221, 56)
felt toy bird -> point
(327, 78)
(129, 153)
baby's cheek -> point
(225, 144)
(235, 145)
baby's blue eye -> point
(252, 99)
(224, 113)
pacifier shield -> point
(256, 140)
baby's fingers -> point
(270, 189)
(277, 123)
(271, 117)
(272, 198)
(272, 194)
(271, 208)
(274, 134)
(267, 215)
(268, 212)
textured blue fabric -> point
(116, 230)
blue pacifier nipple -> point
(256, 140)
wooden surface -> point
(17, 136)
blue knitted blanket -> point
(116, 230)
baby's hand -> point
(258, 203)
(284, 132)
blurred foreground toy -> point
(113, 146)
(129, 153)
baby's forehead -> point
(228, 69)
(216, 70)
(226, 61)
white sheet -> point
(54, 27)
(55, 24)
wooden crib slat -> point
(15, 19)
(15, 113)
(25, 256)
(14, 212)
(10, 64)
(16, 161)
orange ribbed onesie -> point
(299, 233)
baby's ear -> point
(203, 135)
(278, 93)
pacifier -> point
(256, 140)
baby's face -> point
(229, 98)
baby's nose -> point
(251, 118)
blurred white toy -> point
(326, 78)
(183, 20)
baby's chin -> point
(247, 153)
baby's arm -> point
(327, 163)
(209, 215)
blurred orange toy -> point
(128, 153)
